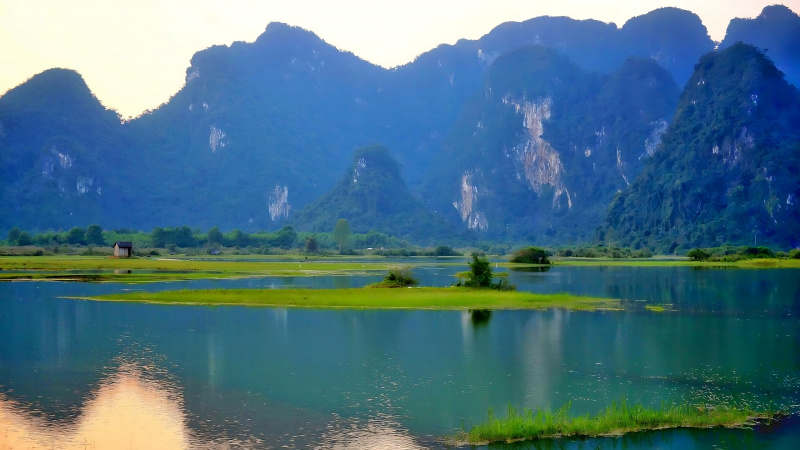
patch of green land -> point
(409, 298)
(94, 268)
(617, 419)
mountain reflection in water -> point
(128, 410)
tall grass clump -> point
(619, 418)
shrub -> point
(698, 255)
(444, 250)
(530, 255)
(397, 278)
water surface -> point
(82, 374)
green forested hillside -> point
(62, 154)
(727, 169)
(373, 196)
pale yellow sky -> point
(134, 54)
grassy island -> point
(409, 298)
(618, 419)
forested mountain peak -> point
(373, 196)
(52, 89)
(727, 169)
(777, 31)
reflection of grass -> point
(413, 298)
(617, 419)
(655, 308)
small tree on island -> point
(480, 272)
(480, 275)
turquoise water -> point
(273, 377)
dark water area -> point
(84, 374)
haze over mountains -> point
(526, 134)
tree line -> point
(340, 239)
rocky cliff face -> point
(547, 146)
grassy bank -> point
(413, 298)
(97, 268)
(619, 418)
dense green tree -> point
(238, 238)
(215, 236)
(480, 272)
(341, 233)
(13, 236)
(698, 255)
(312, 245)
(530, 255)
(158, 238)
(94, 235)
(24, 238)
(285, 237)
(76, 236)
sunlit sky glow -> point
(134, 54)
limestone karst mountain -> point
(727, 169)
(524, 134)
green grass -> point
(146, 269)
(617, 419)
(165, 268)
(409, 298)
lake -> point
(82, 374)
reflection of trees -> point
(480, 316)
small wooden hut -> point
(123, 249)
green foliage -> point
(794, 254)
(600, 251)
(444, 250)
(398, 278)
(13, 236)
(214, 236)
(76, 236)
(480, 275)
(698, 255)
(94, 235)
(312, 245)
(24, 238)
(530, 255)
(341, 233)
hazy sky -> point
(133, 54)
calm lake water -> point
(82, 374)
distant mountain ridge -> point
(262, 130)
